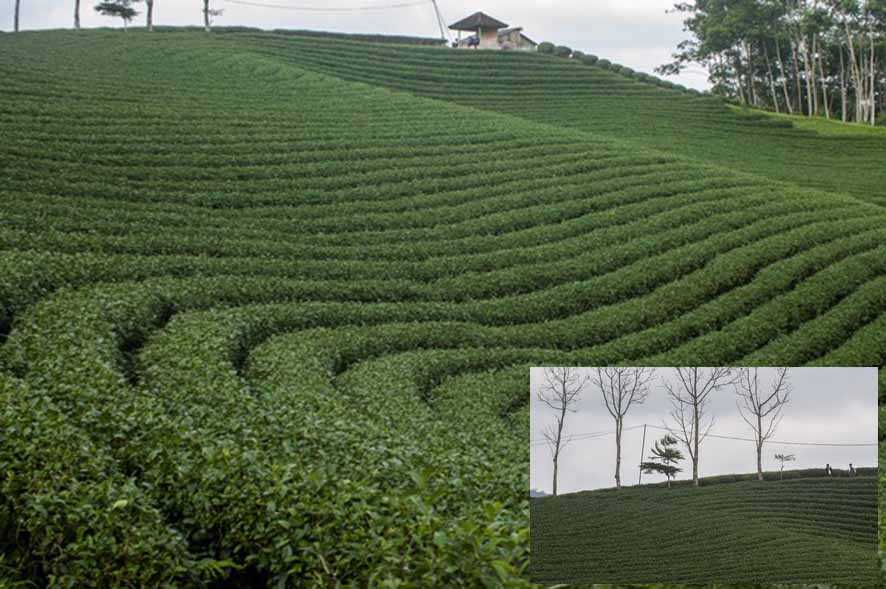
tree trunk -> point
(843, 91)
(695, 445)
(149, 14)
(77, 14)
(618, 426)
(560, 423)
(873, 83)
(784, 78)
(810, 88)
(824, 86)
(751, 85)
(206, 15)
(771, 79)
(741, 96)
(17, 11)
(856, 74)
(555, 474)
(759, 447)
(810, 66)
(796, 61)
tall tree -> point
(18, 4)
(621, 389)
(761, 405)
(664, 458)
(121, 8)
(149, 14)
(77, 14)
(560, 392)
(690, 395)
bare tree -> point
(17, 12)
(621, 388)
(761, 406)
(689, 399)
(560, 392)
(77, 14)
(149, 14)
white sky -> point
(828, 405)
(635, 33)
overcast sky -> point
(828, 405)
(635, 33)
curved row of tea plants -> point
(797, 530)
(256, 319)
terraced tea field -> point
(571, 94)
(265, 325)
(806, 530)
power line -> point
(591, 435)
(329, 9)
(585, 436)
(774, 441)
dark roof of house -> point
(478, 20)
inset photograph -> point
(703, 475)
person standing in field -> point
(827, 470)
(851, 470)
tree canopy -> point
(120, 8)
(664, 459)
(813, 57)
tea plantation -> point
(264, 325)
(804, 530)
(575, 94)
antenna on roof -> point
(443, 32)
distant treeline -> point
(812, 57)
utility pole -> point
(642, 449)
(439, 20)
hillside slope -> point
(257, 317)
(570, 94)
(810, 530)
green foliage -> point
(664, 458)
(589, 59)
(119, 8)
(604, 63)
(826, 528)
(562, 51)
(545, 47)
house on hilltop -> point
(490, 33)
